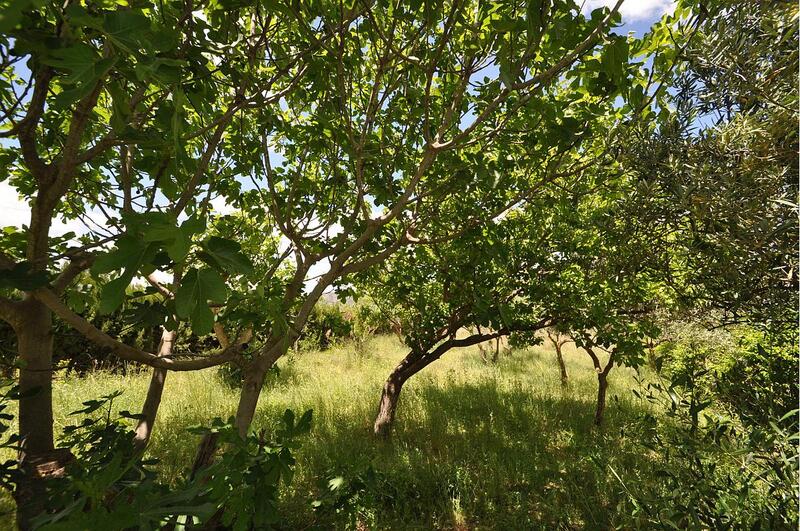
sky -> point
(637, 17)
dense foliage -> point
(453, 172)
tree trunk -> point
(562, 366)
(388, 404)
(602, 385)
(153, 400)
(35, 344)
(411, 365)
(248, 399)
(205, 453)
(38, 457)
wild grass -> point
(475, 445)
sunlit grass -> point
(475, 445)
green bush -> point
(752, 373)
(709, 471)
(327, 324)
(108, 484)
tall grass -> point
(475, 446)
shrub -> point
(110, 486)
(327, 324)
(752, 373)
(709, 471)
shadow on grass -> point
(491, 454)
(472, 455)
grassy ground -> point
(476, 446)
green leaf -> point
(128, 252)
(614, 59)
(186, 296)
(12, 12)
(120, 107)
(533, 10)
(79, 60)
(228, 256)
(113, 293)
(197, 288)
(212, 285)
(22, 277)
(202, 319)
(128, 30)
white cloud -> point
(16, 212)
(13, 211)
(634, 10)
(221, 206)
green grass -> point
(475, 446)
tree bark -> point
(602, 385)
(411, 365)
(254, 377)
(248, 399)
(388, 404)
(562, 366)
(153, 400)
(555, 338)
(38, 457)
(602, 382)
(35, 345)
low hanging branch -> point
(127, 352)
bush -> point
(752, 373)
(331, 323)
(327, 324)
(709, 471)
(110, 486)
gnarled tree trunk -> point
(413, 363)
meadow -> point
(475, 446)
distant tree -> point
(558, 339)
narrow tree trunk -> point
(602, 382)
(496, 355)
(562, 366)
(153, 400)
(602, 385)
(248, 399)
